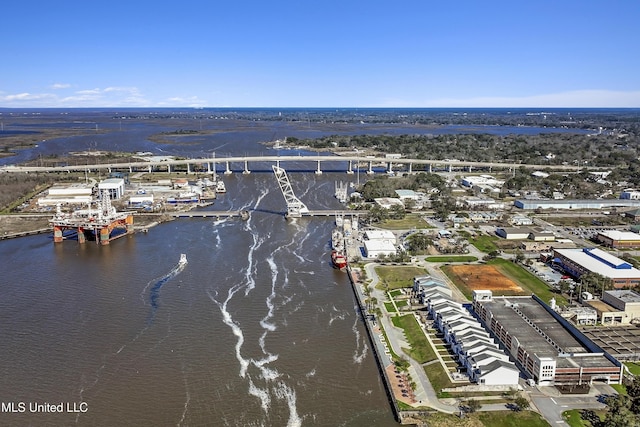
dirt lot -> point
(477, 277)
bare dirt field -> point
(488, 277)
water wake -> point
(268, 383)
(361, 350)
(157, 284)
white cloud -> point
(26, 97)
(60, 86)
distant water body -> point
(238, 131)
(256, 330)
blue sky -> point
(413, 53)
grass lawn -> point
(620, 388)
(410, 221)
(574, 419)
(389, 307)
(397, 276)
(634, 368)
(512, 419)
(527, 280)
(485, 243)
(438, 378)
(451, 258)
(421, 349)
(396, 293)
(486, 419)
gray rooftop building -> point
(546, 347)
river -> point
(257, 329)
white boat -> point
(183, 259)
(220, 187)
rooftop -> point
(625, 295)
(601, 262)
(507, 311)
(620, 235)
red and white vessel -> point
(338, 260)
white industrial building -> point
(388, 202)
(481, 181)
(513, 233)
(115, 187)
(617, 307)
(572, 204)
(67, 194)
(379, 243)
(577, 262)
(378, 247)
(630, 194)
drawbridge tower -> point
(295, 207)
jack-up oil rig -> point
(98, 220)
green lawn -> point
(527, 280)
(409, 222)
(421, 349)
(438, 378)
(487, 419)
(395, 277)
(485, 243)
(451, 258)
(389, 307)
(633, 367)
(509, 419)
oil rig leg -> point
(57, 234)
(104, 236)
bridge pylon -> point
(295, 207)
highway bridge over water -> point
(247, 164)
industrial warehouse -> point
(545, 346)
(577, 262)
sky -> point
(348, 53)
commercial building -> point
(630, 194)
(575, 204)
(617, 307)
(577, 262)
(546, 347)
(75, 194)
(115, 187)
(485, 181)
(379, 243)
(513, 233)
(618, 239)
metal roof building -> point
(580, 261)
(575, 204)
(544, 344)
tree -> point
(521, 403)
(619, 414)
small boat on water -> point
(220, 187)
(337, 239)
(183, 259)
(338, 260)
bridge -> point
(349, 163)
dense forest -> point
(551, 149)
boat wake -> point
(157, 284)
